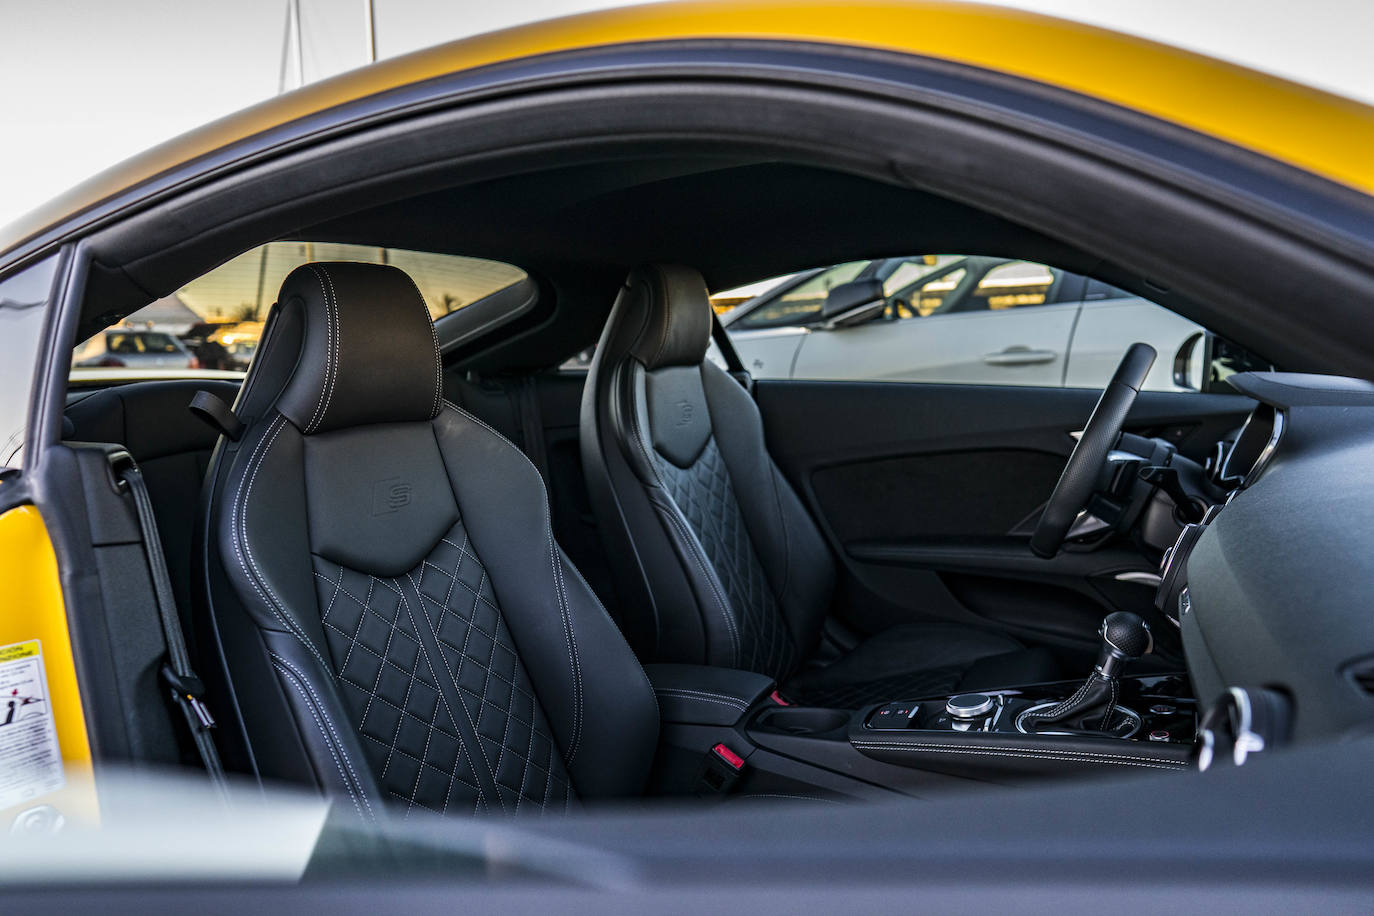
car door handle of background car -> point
(1019, 356)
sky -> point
(88, 83)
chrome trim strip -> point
(1269, 447)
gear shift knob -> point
(1124, 637)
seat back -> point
(172, 447)
(396, 622)
(714, 548)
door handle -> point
(1019, 356)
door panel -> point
(1018, 346)
(918, 486)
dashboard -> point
(1274, 590)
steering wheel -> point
(1090, 455)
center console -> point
(732, 732)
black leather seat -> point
(397, 625)
(714, 547)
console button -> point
(894, 716)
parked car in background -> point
(134, 348)
(961, 319)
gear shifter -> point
(1092, 708)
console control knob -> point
(969, 706)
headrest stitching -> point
(332, 343)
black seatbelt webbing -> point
(733, 365)
(185, 687)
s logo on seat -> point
(389, 495)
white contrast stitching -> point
(684, 530)
(329, 744)
(574, 662)
(477, 736)
(1080, 756)
(704, 695)
(327, 721)
(239, 536)
(333, 331)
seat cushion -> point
(917, 660)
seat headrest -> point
(677, 315)
(369, 354)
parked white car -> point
(958, 319)
(129, 347)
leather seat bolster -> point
(263, 533)
(576, 658)
(791, 550)
(703, 601)
(325, 736)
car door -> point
(1111, 320)
(769, 330)
(976, 320)
(45, 742)
(923, 479)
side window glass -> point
(932, 296)
(802, 302)
(211, 325)
(990, 330)
(1013, 285)
(24, 298)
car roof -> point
(1322, 133)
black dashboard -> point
(1275, 588)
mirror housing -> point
(854, 303)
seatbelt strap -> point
(216, 414)
(532, 426)
(733, 365)
(186, 689)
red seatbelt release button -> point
(731, 759)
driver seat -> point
(718, 562)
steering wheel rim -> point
(1090, 455)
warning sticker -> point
(30, 759)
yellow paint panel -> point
(31, 608)
(1323, 133)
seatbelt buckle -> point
(720, 771)
(189, 690)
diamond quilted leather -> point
(705, 495)
(378, 630)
